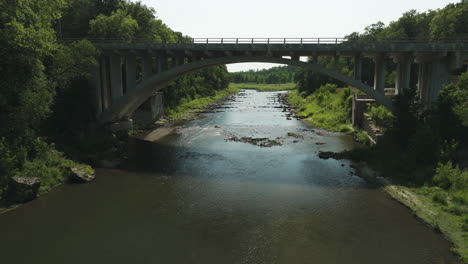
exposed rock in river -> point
(22, 189)
(332, 155)
(261, 142)
(80, 175)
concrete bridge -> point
(129, 74)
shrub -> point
(440, 197)
(328, 88)
(363, 137)
(382, 116)
(456, 210)
(6, 163)
(460, 197)
(449, 177)
(465, 224)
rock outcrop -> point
(79, 175)
(22, 189)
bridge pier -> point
(403, 72)
(147, 67)
(434, 73)
(162, 63)
(130, 72)
(336, 61)
(105, 82)
(116, 77)
(358, 67)
(379, 73)
(95, 81)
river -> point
(195, 196)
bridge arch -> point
(127, 104)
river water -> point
(197, 197)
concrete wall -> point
(362, 120)
(150, 111)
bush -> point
(328, 88)
(39, 168)
(460, 197)
(440, 197)
(363, 137)
(449, 177)
(465, 225)
(6, 163)
(382, 116)
(456, 210)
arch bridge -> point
(128, 74)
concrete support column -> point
(403, 73)
(179, 60)
(95, 81)
(295, 57)
(379, 73)
(130, 70)
(434, 73)
(336, 61)
(147, 67)
(116, 77)
(358, 109)
(105, 88)
(424, 72)
(358, 67)
(315, 58)
(162, 63)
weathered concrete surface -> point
(128, 103)
(121, 92)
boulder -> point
(79, 175)
(22, 189)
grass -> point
(443, 207)
(264, 86)
(187, 108)
(329, 110)
(450, 216)
(52, 167)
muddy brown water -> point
(196, 197)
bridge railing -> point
(267, 41)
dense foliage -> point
(280, 74)
(45, 95)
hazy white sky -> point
(279, 19)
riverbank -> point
(442, 218)
(454, 227)
(184, 112)
(264, 87)
(329, 108)
(49, 172)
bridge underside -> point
(126, 77)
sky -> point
(280, 19)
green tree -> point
(118, 25)
(27, 39)
(450, 22)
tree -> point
(450, 22)
(27, 39)
(118, 25)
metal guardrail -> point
(267, 41)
